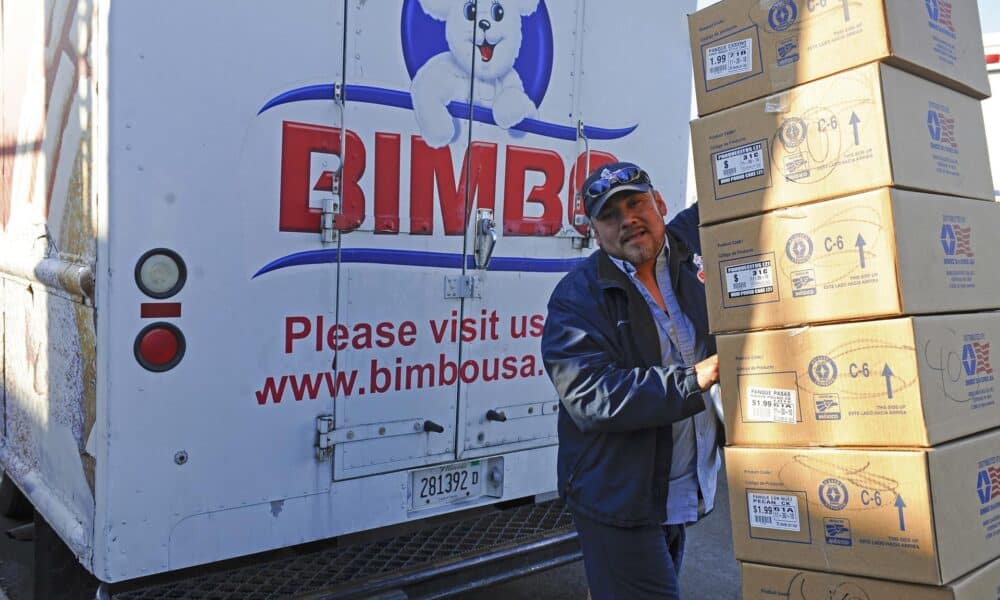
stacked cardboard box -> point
(851, 246)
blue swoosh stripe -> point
(417, 259)
(399, 99)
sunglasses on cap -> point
(611, 179)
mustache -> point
(632, 232)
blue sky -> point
(989, 11)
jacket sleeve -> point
(685, 226)
(599, 395)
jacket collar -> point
(609, 275)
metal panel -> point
(204, 160)
(509, 402)
(396, 264)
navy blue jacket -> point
(601, 350)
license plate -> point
(450, 484)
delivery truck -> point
(991, 106)
(274, 274)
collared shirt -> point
(696, 458)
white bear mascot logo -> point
(493, 28)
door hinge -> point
(463, 286)
(324, 437)
(331, 208)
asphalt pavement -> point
(709, 572)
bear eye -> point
(497, 12)
(470, 11)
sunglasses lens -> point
(629, 174)
(598, 187)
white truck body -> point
(991, 106)
(213, 129)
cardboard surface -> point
(883, 253)
(763, 582)
(746, 49)
(870, 127)
(901, 382)
(923, 516)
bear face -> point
(487, 30)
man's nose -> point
(484, 24)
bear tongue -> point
(486, 50)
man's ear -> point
(660, 204)
(437, 9)
(525, 7)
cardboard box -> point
(746, 49)
(871, 127)
(915, 515)
(879, 254)
(762, 582)
(916, 381)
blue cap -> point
(609, 179)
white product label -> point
(772, 405)
(739, 164)
(773, 511)
(728, 59)
(749, 279)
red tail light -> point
(159, 347)
(992, 59)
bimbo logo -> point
(510, 43)
(976, 359)
(988, 484)
(939, 12)
(956, 240)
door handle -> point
(486, 237)
(431, 426)
(495, 415)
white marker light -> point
(160, 273)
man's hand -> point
(707, 372)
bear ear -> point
(525, 7)
(437, 9)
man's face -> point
(630, 226)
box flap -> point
(941, 41)
(956, 373)
(949, 251)
(937, 138)
(966, 502)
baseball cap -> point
(609, 179)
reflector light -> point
(992, 59)
(160, 273)
(159, 347)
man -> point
(626, 344)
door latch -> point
(486, 237)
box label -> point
(772, 405)
(773, 511)
(942, 128)
(750, 279)
(837, 532)
(727, 59)
(740, 164)
(959, 256)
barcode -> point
(717, 69)
(763, 520)
(729, 172)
